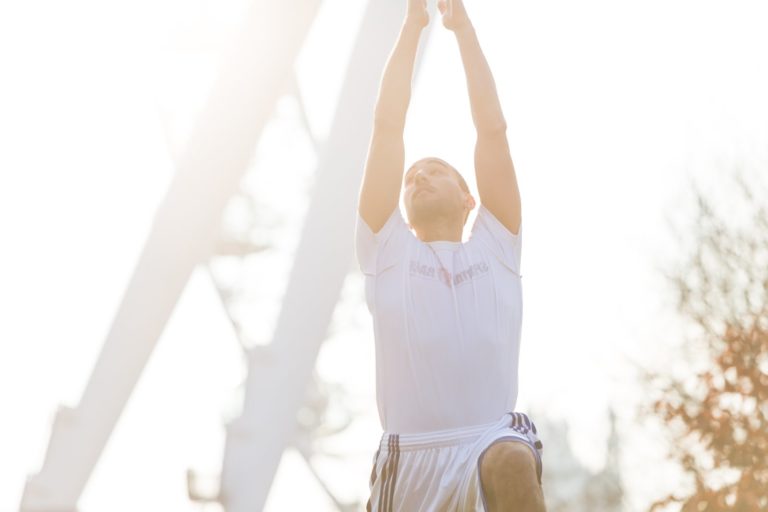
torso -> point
(447, 319)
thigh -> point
(508, 457)
(523, 430)
(497, 452)
(520, 435)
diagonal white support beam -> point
(277, 383)
(184, 229)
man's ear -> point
(470, 202)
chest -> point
(438, 283)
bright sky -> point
(612, 108)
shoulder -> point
(377, 250)
(494, 237)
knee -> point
(510, 462)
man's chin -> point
(422, 213)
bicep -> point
(496, 180)
(380, 191)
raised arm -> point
(496, 180)
(380, 192)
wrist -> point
(465, 28)
(414, 24)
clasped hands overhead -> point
(453, 12)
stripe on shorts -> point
(520, 422)
(523, 424)
(394, 476)
(389, 474)
(387, 491)
(385, 475)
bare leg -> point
(508, 479)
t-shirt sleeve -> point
(378, 251)
(502, 243)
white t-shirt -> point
(446, 318)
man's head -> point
(433, 190)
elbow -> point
(492, 127)
(388, 123)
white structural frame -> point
(277, 383)
(183, 234)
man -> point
(446, 313)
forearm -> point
(483, 98)
(395, 90)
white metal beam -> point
(277, 383)
(182, 235)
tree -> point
(717, 411)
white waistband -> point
(439, 437)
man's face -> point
(431, 188)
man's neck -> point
(439, 232)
